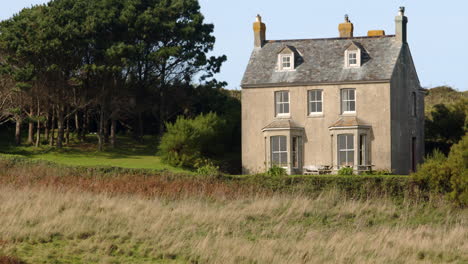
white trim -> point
(279, 151)
(291, 62)
(286, 114)
(343, 112)
(358, 58)
(315, 101)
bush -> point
(345, 171)
(448, 176)
(276, 171)
(189, 140)
(207, 168)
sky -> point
(437, 30)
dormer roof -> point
(322, 61)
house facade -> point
(332, 103)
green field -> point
(128, 154)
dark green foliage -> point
(445, 125)
(345, 171)
(187, 141)
(448, 176)
(446, 111)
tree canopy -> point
(120, 62)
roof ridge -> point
(337, 38)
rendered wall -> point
(372, 108)
(404, 125)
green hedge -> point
(352, 185)
(355, 185)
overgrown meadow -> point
(68, 215)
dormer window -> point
(352, 56)
(286, 62)
(286, 59)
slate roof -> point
(348, 121)
(282, 123)
(322, 61)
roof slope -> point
(322, 61)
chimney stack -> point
(400, 25)
(346, 29)
(259, 32)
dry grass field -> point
(52, 219)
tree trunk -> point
(52, 127)
(77, 125)
(38, 132)
(18, 131)
(46, 127)
(60, 126)
(112, 132)
(106, 131)
(85, 129)
(31, 127)
(67, 129)
(100, 133)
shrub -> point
(448, 176)
(207, 168)
(276, 171)
(189, 140)
(345, 171)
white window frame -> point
(310, 102)
(344, 102)
(346, 149)
(278, 103)
(281, 57)
(362, 150)
(358, 58)
(279, 151)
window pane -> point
(312, 95)
(286, 108)
(274, 144)
(344, 94)
(352, 106)
(350, 141)
(342, 158)
(283, 146)
(350, 157)
(319, 107)
(351, 94)
(319, 95)
(285, 96)
(284, 158)
(275, 158)
(341, 142)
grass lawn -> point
(128, 154)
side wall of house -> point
(258, 110)
(405, 125)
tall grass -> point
(60, 215)
(62, 225)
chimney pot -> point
(346, 29)
(259, 29)
(400, 25)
